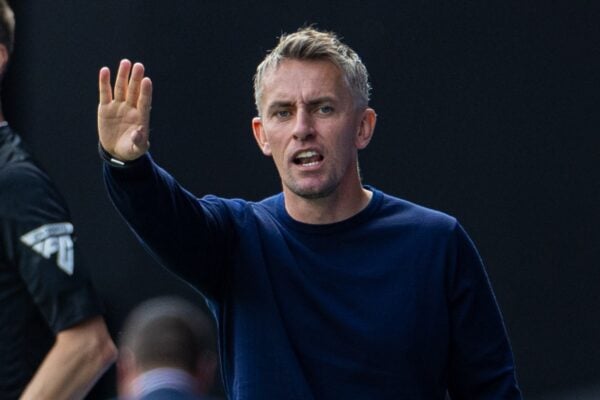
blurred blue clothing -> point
(169, 394)
(165, 384)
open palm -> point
(124, 118)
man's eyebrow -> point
(286, 104)
(279, 104)
(320, 100)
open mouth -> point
(308, 158)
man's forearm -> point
(78, 358)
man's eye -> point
(325, 110)
(282, 113)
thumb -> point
(132, 145)
(139, 138)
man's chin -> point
(312, 193)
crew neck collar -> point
(334, 227)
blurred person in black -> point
(167, 351)
(54, 343)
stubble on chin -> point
(311, 193)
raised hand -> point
(124, 119)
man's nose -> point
(303, 129)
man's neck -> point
(336, 207)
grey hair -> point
(309, 43)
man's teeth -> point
(306, 154)
(307, 158)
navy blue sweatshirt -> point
(392, 303)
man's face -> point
(311, 127)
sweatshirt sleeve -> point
(186, 235)
(481, 360)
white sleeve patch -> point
(53, 238)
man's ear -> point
(260, 136)
(366, 128)
(4, 56)
(206, 368)
(126, 372)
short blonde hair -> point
(309, 43)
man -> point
(331, 289)
(166, 352)
(53, 341)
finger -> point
(121, 80)
(133, 90)
(145, 99)
(104, 88)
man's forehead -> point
(310, 78)
(291, 66)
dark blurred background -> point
(487, 111)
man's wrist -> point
(112, 161)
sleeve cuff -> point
(114, 162)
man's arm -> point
(78, 358)
(180, 231)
